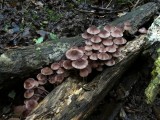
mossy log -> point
(74, 100)
(25, 60)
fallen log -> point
(25, 60)
(74, 100)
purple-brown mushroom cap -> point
(107, 42)
(29, 93)
(86, 35)
(96, 39)
(93, 56)
(74, 54)
(67, 64)
(119, 41)
(55, 66)
(104, 56)
(41, 77)
(80, 64)
(30, 83)
(110, 62)
(104, 34)
(84, 72)
(31, 104)
(46, 71)
(93, 30)
(112, 49)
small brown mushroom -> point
(46, 71)
(74, 54)
(119, 41)
(80, 64)
(110, 62)
(41, 77)
(55, 66)
(67, 64)
(29, 93)
(104, 56)
(142, 30)
(93, 56)
(30, 83)
(107, 42)
(127, 26)
(96, 39)
(86, 35)
(31, 104)
(84, 72)
(93, 30)
(104, 34)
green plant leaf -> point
(39, 40)
(53, 36)
(12, 94)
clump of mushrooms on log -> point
(102, 48)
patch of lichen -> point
(154, 86)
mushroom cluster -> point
(101, 48)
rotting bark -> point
(22, 61)
(75, 101)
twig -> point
(136, 3)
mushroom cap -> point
(104, 34)
(56, 78)
(96, 46)
(30, 83)
(46, 71)
(96, 39)
(74, 54)
(119, 41)
(88, 47)
(31, 104)
(117, 33)
(108, 28)
(112, 49)
(127, 26)
(143, 30)
(41, 77)
(86, 35)
(67, 64)
(110, 62)
(80, 64)
(93, 30)
(52, 79)
(42, 82)
(29, 93)
(116, 54)
(85, 57)
(60, 71)
(88, 42)
(55, 66)
(88, 53)
(40, 90)
(102, 49)
(104, 56)
(107, 42)
(84, 72)
(93, 56)
(59, 78)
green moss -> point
(153, 88)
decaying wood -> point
(75, 101)
(112, 108)
(23, 61)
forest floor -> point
(24, 23)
